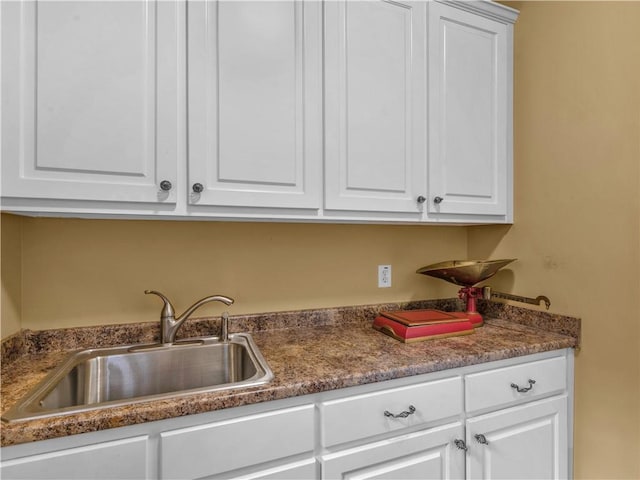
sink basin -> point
(97, 378)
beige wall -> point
(577, 207)
(11, 274)
(90, 272)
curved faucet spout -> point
(199, 303)
(169, 324)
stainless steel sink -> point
(97, 378)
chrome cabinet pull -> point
(165, 185)
(438, 200)
(197, 188)
(404, 414)
(520, 389)
(460, 444)
(421, 199)
(481, 439)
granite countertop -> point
(308, 351)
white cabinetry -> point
(442, 425)
(126, 458)
(255, 103)
(375, 89)
(470, 120)
(215, 448)
(530, 440)
(344, 110)
(89, 101)
(425, 454)
(429, 452)
(525, 442)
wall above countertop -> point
(79, 272)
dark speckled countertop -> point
(308, 351)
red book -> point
(417, 325)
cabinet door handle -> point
(438, 200)
(165, 185)
(520, 389)
(421, 199)
(197, 187)
(480, 438)
(404, 414)
(460, 444)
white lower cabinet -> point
(420, 455)
(525, 442)
(509, 419)
(215, 448)
(126, 458)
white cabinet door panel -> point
(375, 87)
(219, 447)
(302, 470)
(428, 454)
(90, 108)
(255, 114)
(526, 442)
(468, 113)
(118, 459)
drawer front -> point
(364, 416)
(116, 459)
(214, 448)
(516, 384)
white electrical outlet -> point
(384, 276)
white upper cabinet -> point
(255, 103)
(89, 100)
(375, 89)
(342, 110)
(469, 113)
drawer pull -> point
(480, 438)
(460, 444)
(404, 414)
(523, 389)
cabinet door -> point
(90, 95)
(375, 88)
(469, 120)
(255, 103)
(301, 470)
(117, 459)
(429, 454)
(527, 442)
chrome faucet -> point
(169, 324)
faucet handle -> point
(167, 309)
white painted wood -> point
(375, 87)
(302, 470)
(492, 389)
(89, 103)
(525, 442)
(363, 416)
(425, 454)
(469, 113)
(126, 458)
(211, 449)
(255, 103)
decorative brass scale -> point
(468, 273)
